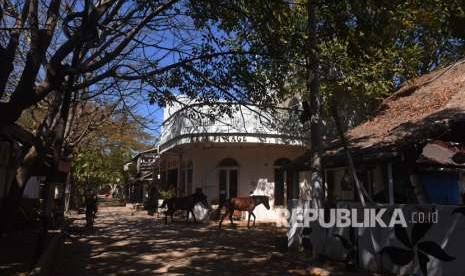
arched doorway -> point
(228, 178)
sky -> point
(184, 39)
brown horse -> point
(243, 204)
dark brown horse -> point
(243, 204)
(186, 203)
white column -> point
(180, 171)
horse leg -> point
(193, 215)
(166, 217)
(254, 217)
(187, 215)
(248, 221)
(172, 214)
(222, 218)
(231, 212)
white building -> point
(237, 155)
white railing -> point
(247, 121)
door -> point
(228, 183)
(232, 185)
(290, 186)
(189, 182)
(284, 185)
(279, 187)
(223, 185)
(173, 180)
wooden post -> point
(390, 184)
(417, 187)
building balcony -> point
(245, 124)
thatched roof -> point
(422, 108)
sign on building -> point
(146, 162)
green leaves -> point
(373, 46)
(100, 161)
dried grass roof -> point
(421, 107)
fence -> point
(433, 248)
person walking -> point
(91, 207)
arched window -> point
(228, 162)
(281, 162)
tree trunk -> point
(361, 191)
(35, 155)
(23, 173)
(10, 112)
(314, 94)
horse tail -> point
(163, 205)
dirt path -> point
(124, 243)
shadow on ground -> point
(122, 244)
(18, 252)
(128, 243)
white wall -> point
(256, 170)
